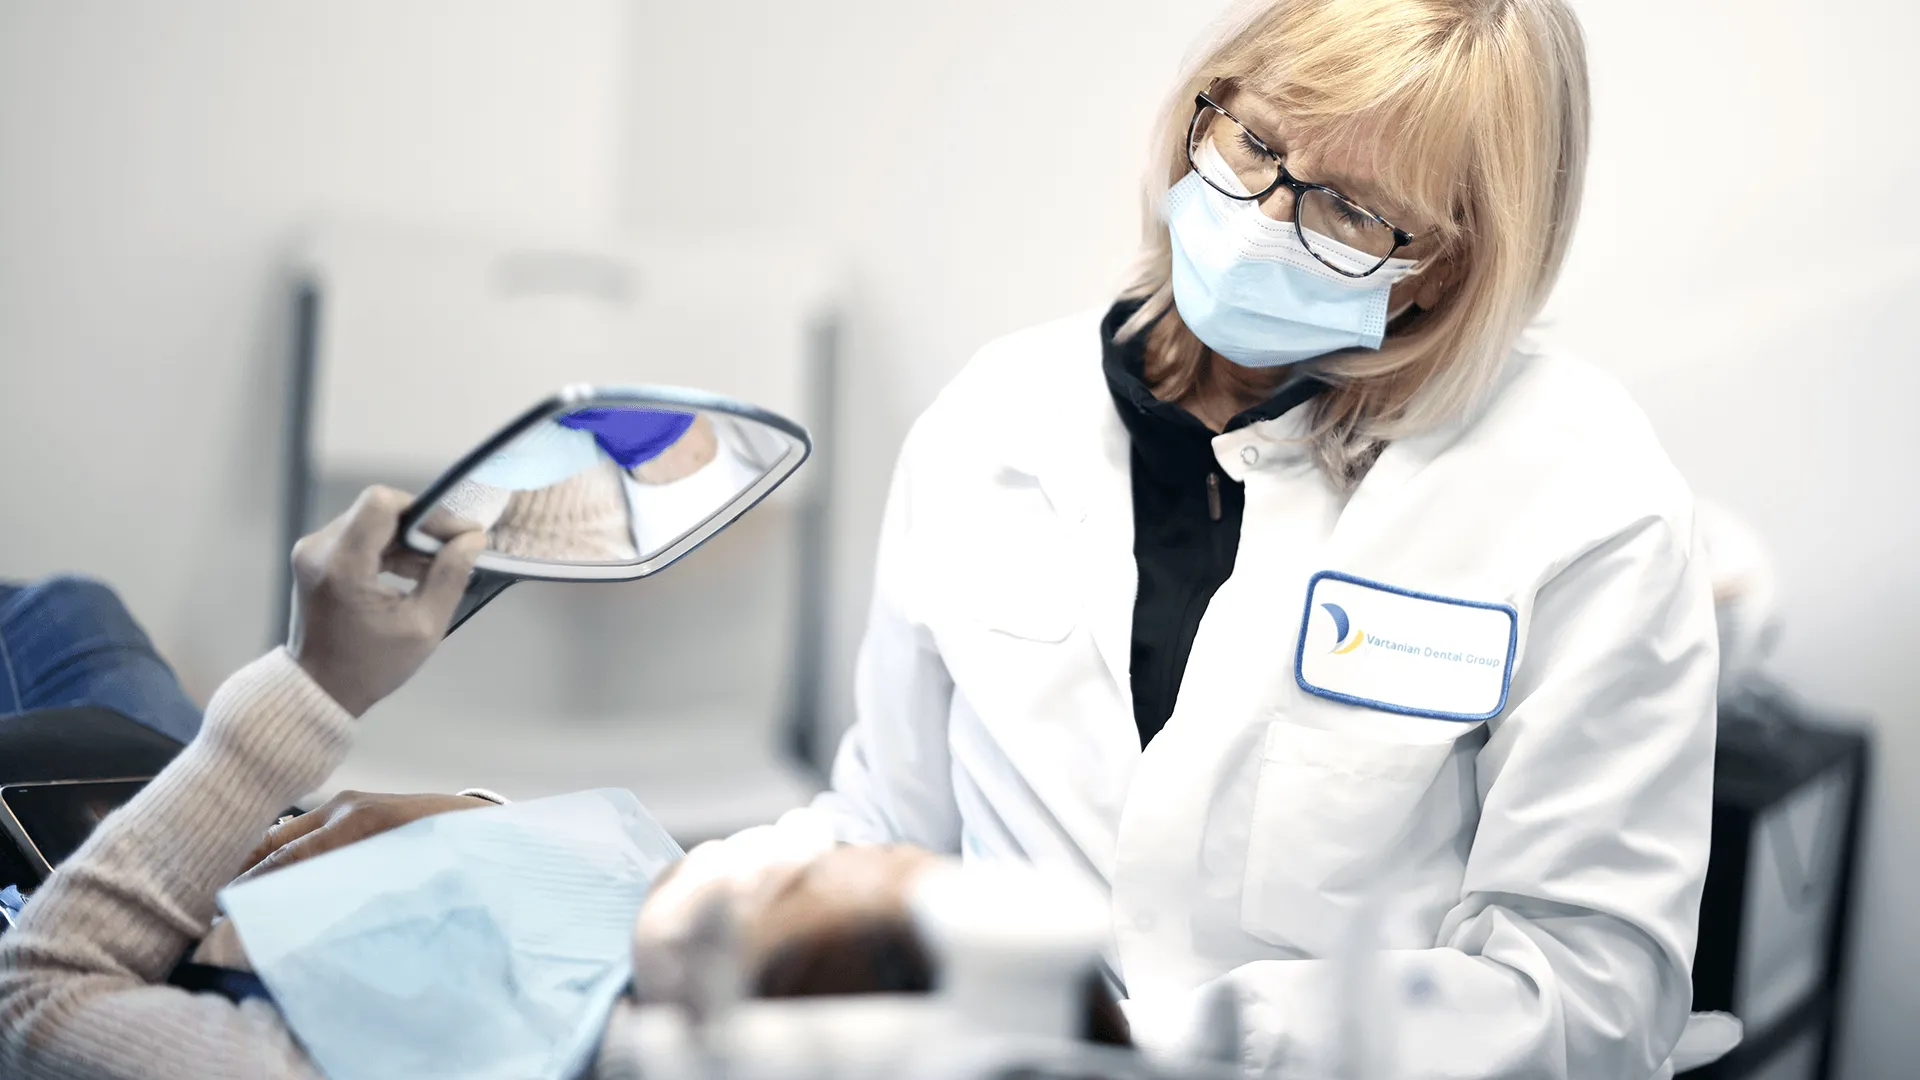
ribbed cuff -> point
(278, 725)
(270, 736)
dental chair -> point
(76, 764)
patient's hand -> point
(343, 819)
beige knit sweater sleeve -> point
(81, 978)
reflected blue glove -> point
(489, 943)
(631, 436)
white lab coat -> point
(1539, 874)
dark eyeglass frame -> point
(1299, 187)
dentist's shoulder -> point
(1563, 435)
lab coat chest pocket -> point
(1037, 612)
(1329, 810)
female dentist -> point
(1301, 599)
(1299, 587)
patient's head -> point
(839, 924)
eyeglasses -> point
(1345, 236)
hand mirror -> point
(605, 484)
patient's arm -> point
(82, 976)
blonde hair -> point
(1482, 106)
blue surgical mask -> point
(1249, 289)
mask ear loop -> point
(1409, 307)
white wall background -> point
(975, 165)
(156, 160)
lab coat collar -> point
(1164, 435)
(1081, 456)
(1270, 444)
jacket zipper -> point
(1176, 667)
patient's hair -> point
(884, 955)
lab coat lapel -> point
(1082, 463)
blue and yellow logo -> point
(1341, 624)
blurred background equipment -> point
(1777, 915)
(413, 344)
(1790, 790)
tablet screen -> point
(58, 817)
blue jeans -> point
(70, 641)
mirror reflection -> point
(613, 484)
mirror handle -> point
(482, 586)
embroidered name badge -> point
(1367, 643)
